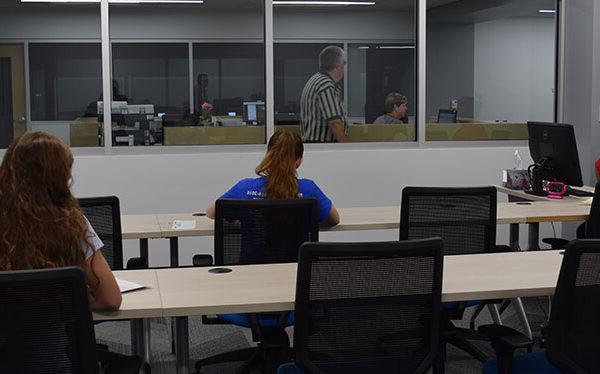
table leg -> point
(144, 249)
(174, 246)
(182, 349)
(533, 240)
(514, 236)
(140, 338)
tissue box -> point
(516, 179)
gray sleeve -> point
(379, 121)
(94, 241)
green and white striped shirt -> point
(321, 102)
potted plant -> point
(207, 109)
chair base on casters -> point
(272, 350)
(459, 337)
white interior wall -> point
(161, 183)
(514, 69)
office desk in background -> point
(351, 219)
(565, 204)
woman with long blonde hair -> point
(41, 223)
(278, 178)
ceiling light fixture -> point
(119, 1)
(320, 2)
(547, 11)
(387, 47)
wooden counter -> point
(195, 135)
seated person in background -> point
(41, 224)
(278, 178)
(597, 167)
(395, 110)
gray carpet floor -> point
(206, 341)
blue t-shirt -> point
(252, 188)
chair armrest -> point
(505, 341)
(202, 260)
(556, 243)
(137, 263)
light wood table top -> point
(500, 275)
(524, 195)
(250, 288)
(369, 218)
(204, 226)
(541, 211)
(144, 303)
(269, 288)
(140, 226)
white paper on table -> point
(587, 201)
(126, 286)
(183, 225)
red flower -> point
(207, 106)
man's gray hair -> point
(330, 57)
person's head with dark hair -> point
(284, 155)
(395, 105)
(332, 60)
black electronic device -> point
(447, 116)
(578, 193)
(553, 149)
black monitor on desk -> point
(553, 149)
(447, 116)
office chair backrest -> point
(592, 226)
(368, 307)
(263, 231)
(574, 329)
(447, 116)
(464, 217)
(45, 322)
(104, 215)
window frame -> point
(268, 39)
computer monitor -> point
(254, 112)
(447, 116)
(553, 148)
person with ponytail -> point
(41, 223)
(278, 178)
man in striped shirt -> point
(321, 110)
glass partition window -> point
(66, 80)
(490, 68)
(227, 75)
(58, 57)
(368, 94)
(152, 74)
(206, 85)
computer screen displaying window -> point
(254, 112)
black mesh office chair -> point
(104, 214)
(587, 230)
(46, 325)
(261, 232)
(573, 330)
(465, 219)
(367, 307)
